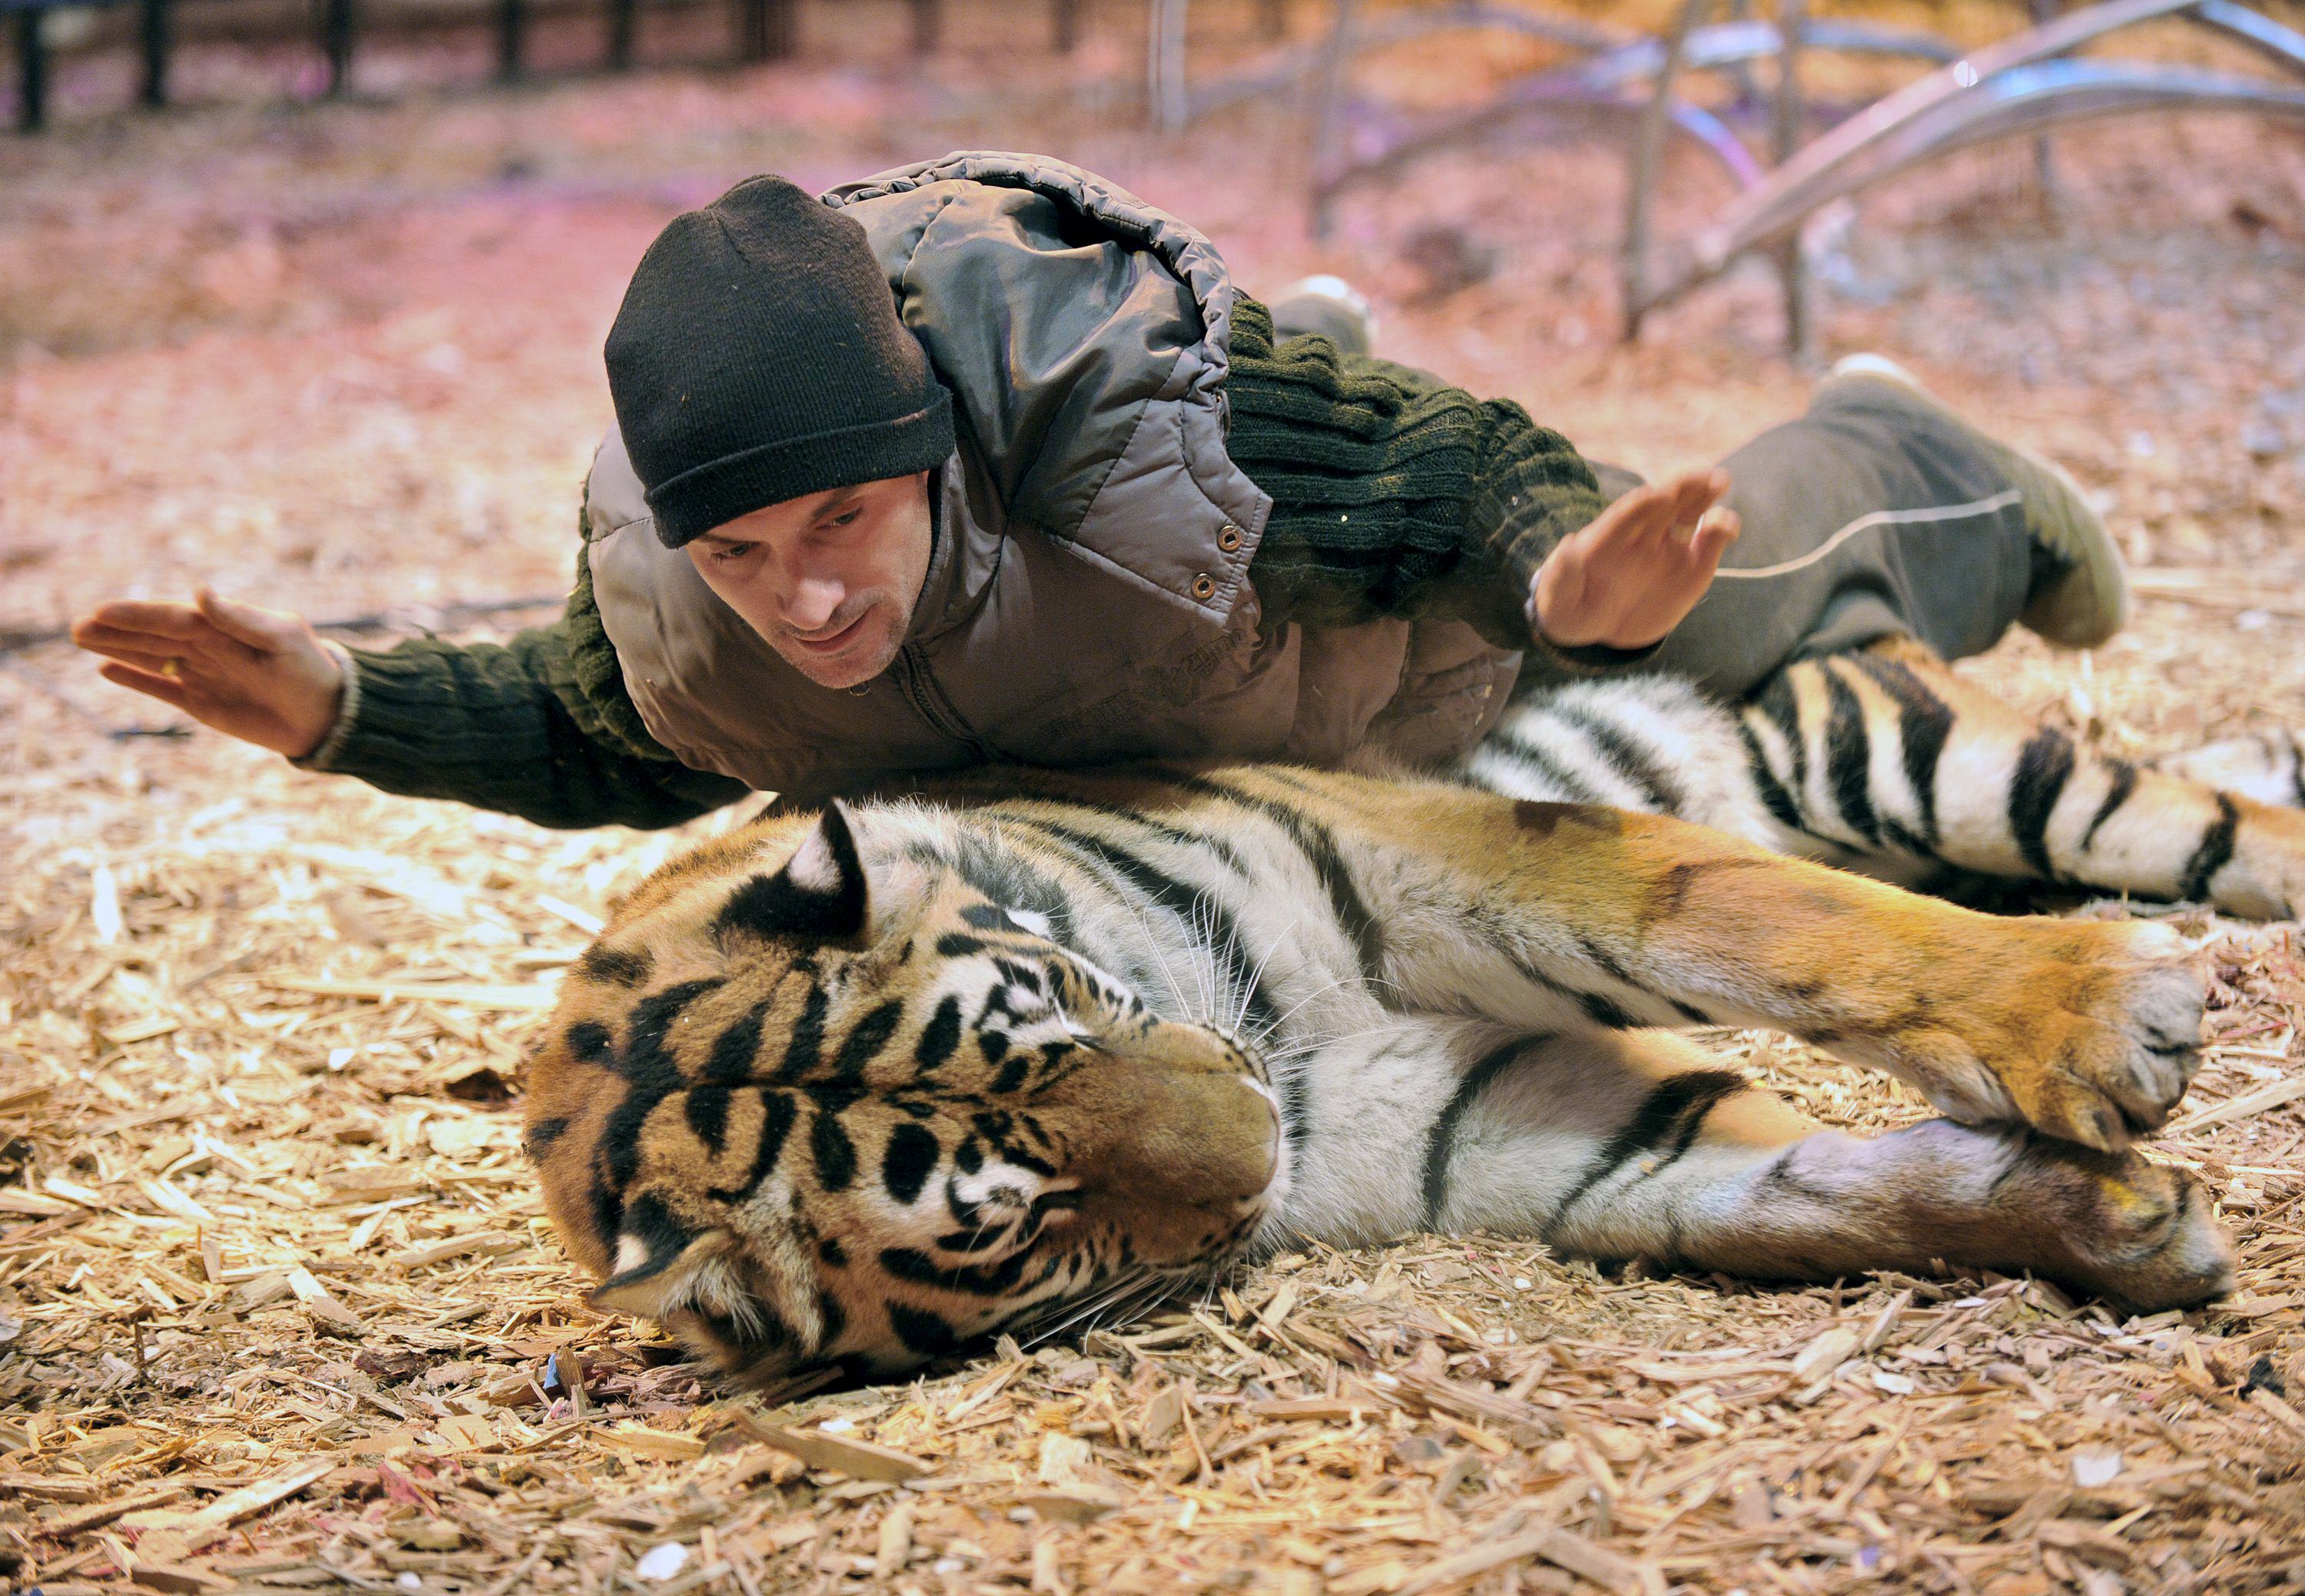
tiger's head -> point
(816, 1116)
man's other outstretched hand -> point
(260, 675)
(1638, 569)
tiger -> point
(843, 1092)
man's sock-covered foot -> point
(2079, 595)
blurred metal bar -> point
(153, 37)
(512, 40)
(1065, 25)
(624, 25)
(1170, 97)
(1647, 154)
(767, 29)
(2045, 160)
(31, 71)
(1785, 134)
(337, 23)
(928, 26)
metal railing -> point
(764, 30)
(2025, 86)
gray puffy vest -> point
(1088, 598)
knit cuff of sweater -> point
(1594, 659)
(324, 756)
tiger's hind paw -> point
(2139, 1233)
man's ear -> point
(821, 893)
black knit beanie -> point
(758, 357)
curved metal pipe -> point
(2283, 46)
(1566, 99)
(2029, 100)
(1602, 86)
(1919, 98)
(1344, 41)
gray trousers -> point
(1876, 515)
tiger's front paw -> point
(2089, 1032)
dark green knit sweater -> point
(1393, 494)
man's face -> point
(830, 580)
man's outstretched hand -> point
(258, 675)
(1630, 577)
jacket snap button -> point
(1204, 587)
(1228, 540)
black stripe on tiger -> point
(829, 1140)
(1318, 844)
(1082, 790)
(922, 1332)
(650, 1073)
(940, 1038)
(1849, 757)
(736, 1049)
(1781, 805)
(907, 1160)
(1224, 932)
(607, 1210)
(778, 1115)
(1626, 757)
(1779, 702)
(1924, 727)
(1597, 1007)
(1440, 1140)
(615, 967)
(914, 1267)
(2215, 851)
(866, 1040)
(2044, 765)
(1564, 781)
(804, 1048)
(2124, 787)
(1669, 1118)
(1610, 965)
(538, 1138)
(707, 1110)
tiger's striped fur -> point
(841, 1093)
(1885, 761)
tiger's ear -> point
(658, 1276)
(821, 891)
